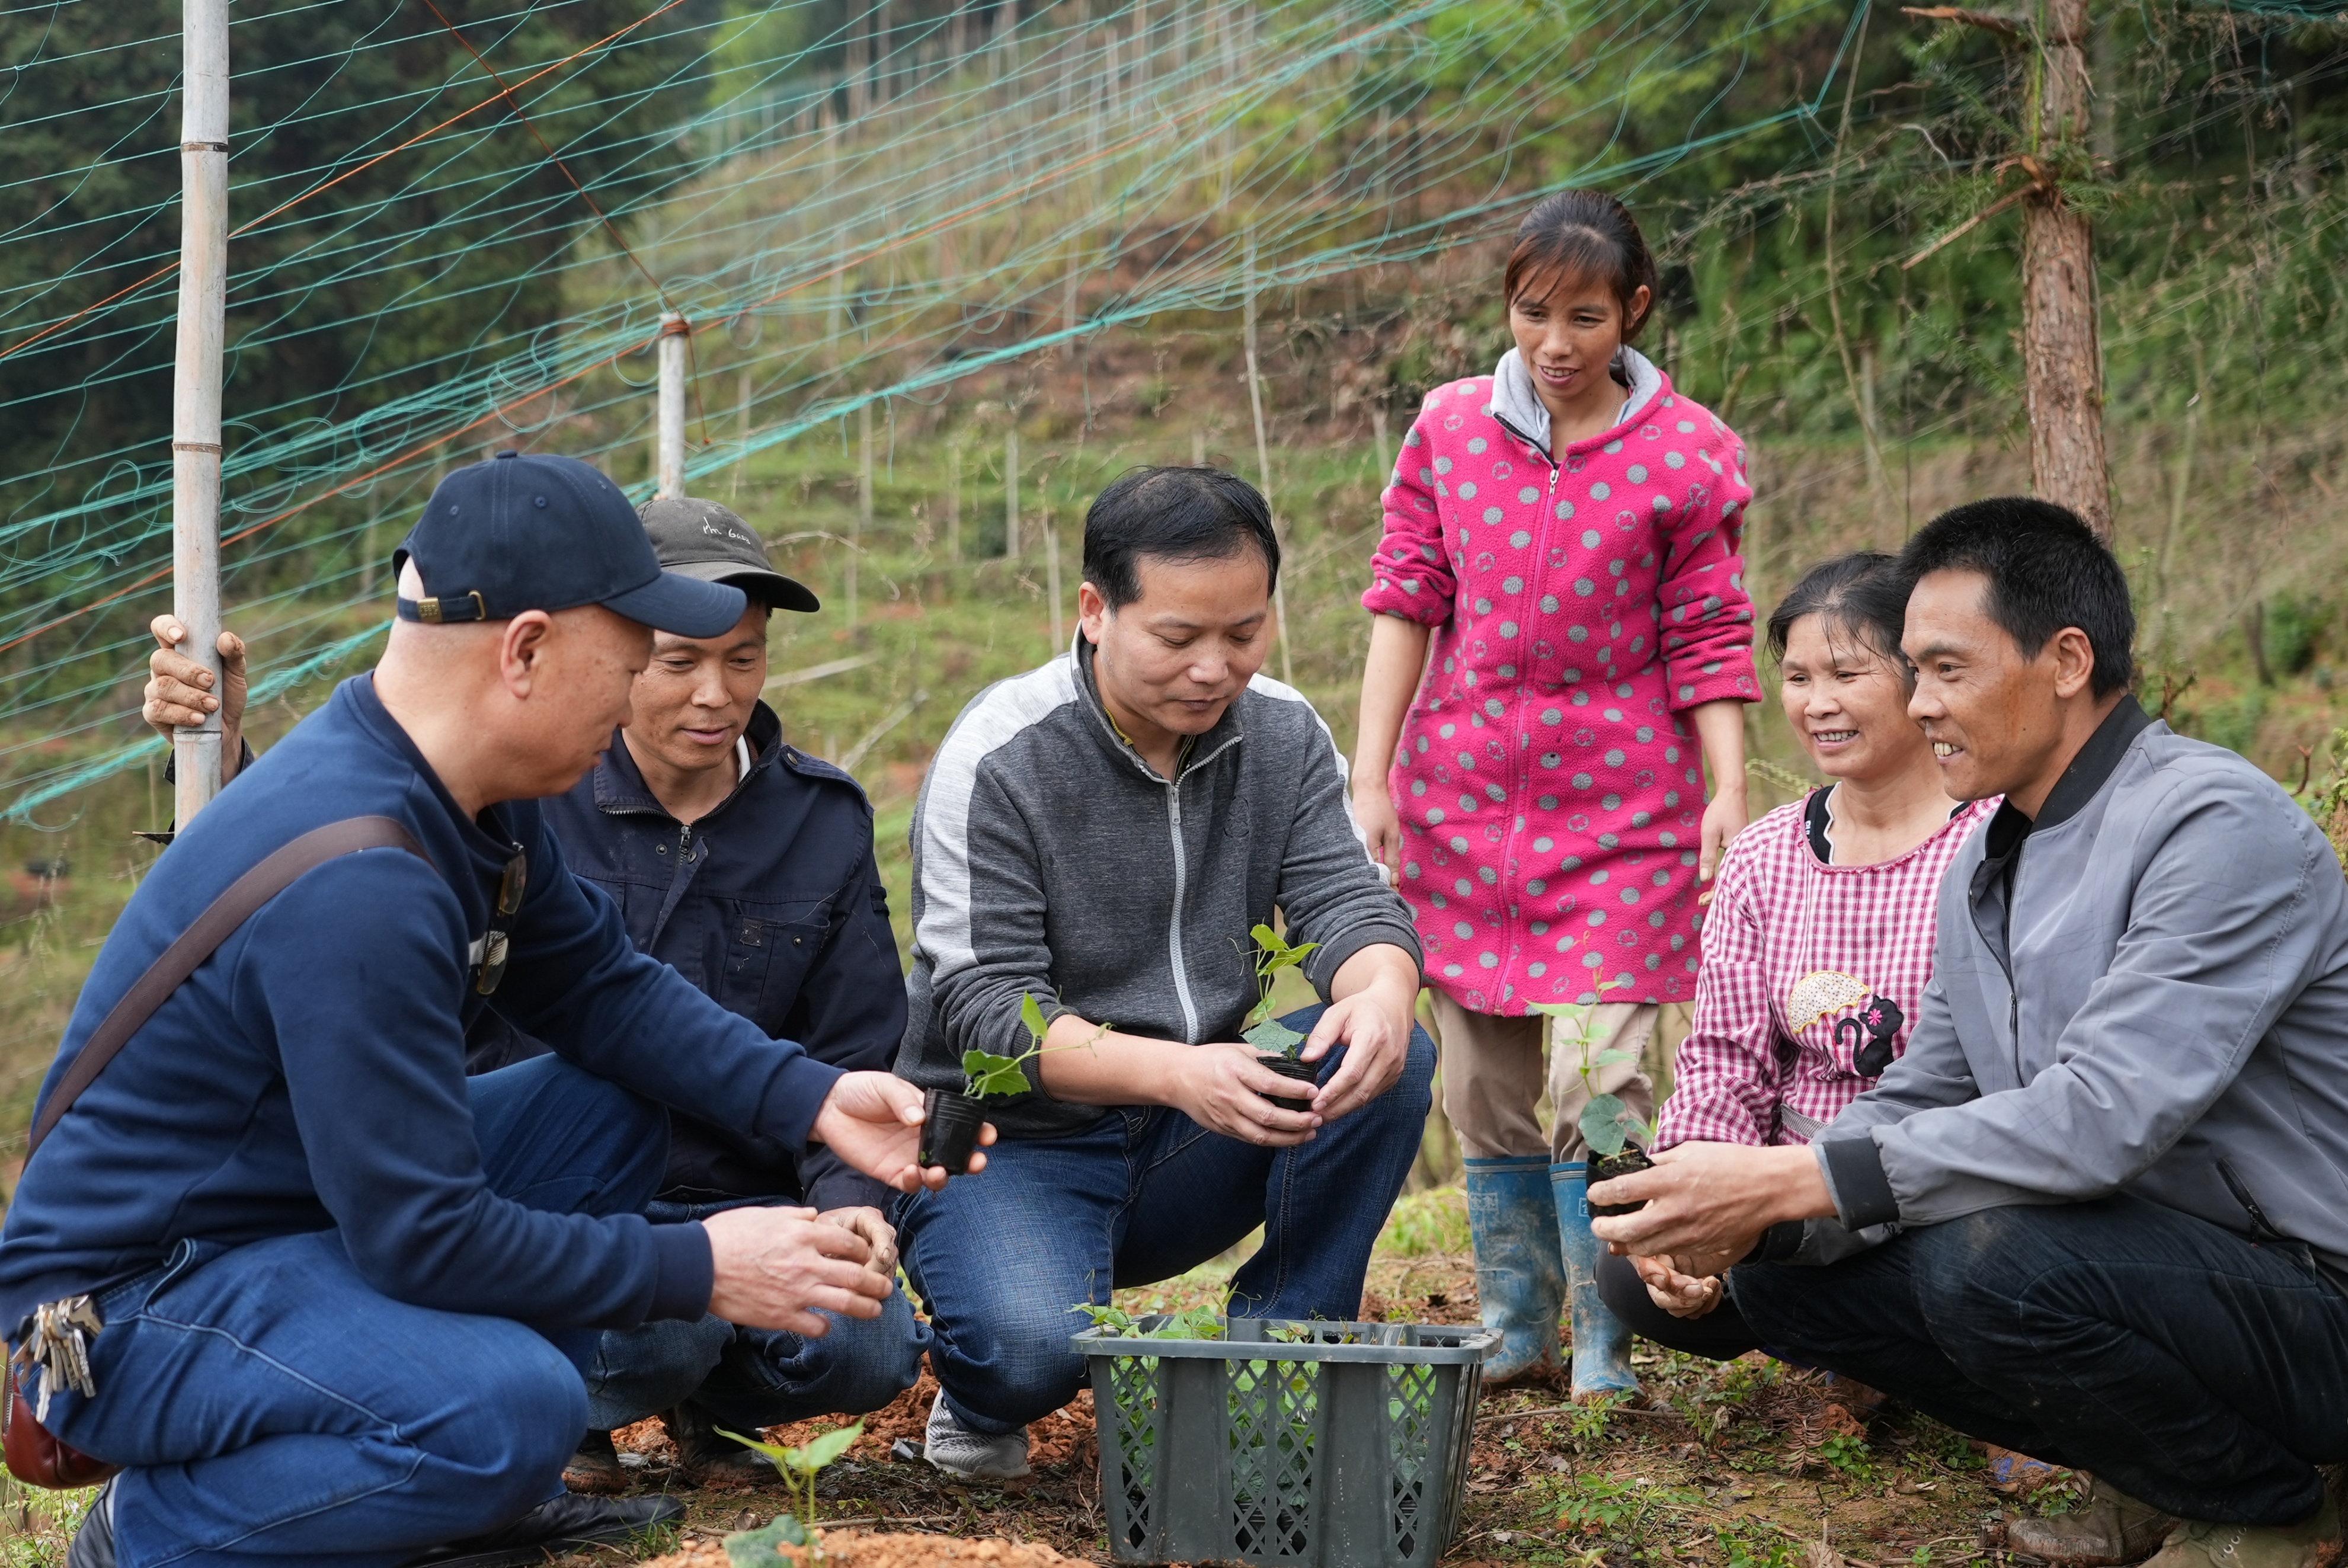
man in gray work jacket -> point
(2099, 1210)
(1101, 834)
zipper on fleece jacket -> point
(1519, 783)
(1174, 930)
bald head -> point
(512, 709)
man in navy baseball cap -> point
(537, 531)
(381, 1281)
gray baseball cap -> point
(701, 538)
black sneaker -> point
(558, 1524)
(595, 1468)
(93, 1544)
(707, 1457)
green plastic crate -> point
(1321, 1445)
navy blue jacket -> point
(772, 904)
(311, 1073)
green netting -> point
(860, 204)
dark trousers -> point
(1720, 1335)
(2190, 1367)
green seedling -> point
(798, 1467)
(1199, 1323)
(986, 1075)
(1272, 955)
(1606, 1123)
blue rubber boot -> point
(1520, 1278)
(1601, 1346)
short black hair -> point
(1173, 514)
(2046, 571)
(1861, 595)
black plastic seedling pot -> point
(1606, 1167)
(1307, 1073)
(950, 1131)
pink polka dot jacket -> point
(1550, 785)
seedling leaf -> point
(1275, 1037)
(820, 1451)
(1031, 1013)
(1601, 1123)
(989, 1076)
(763, 1548)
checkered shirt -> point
(1748, 1072)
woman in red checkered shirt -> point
(1818, 940)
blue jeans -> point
(273, 1407)
(2190, 1367)
(1003, 1258)
(752, 1377)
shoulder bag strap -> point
(232, 909)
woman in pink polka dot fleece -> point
(1565, 531)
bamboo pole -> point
(1010, 490)
(1051, 577)
(196, 382)
(953, 497)
(1263, 472)
(673, 343)
(741, 428)
(863, 501)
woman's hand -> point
(1720, 728)
(1381, 824)
(1724, 817)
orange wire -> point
(552, 156)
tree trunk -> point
(2061, 353)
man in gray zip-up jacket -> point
(2099, 1211)
(1102, 834)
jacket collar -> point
(1227, 731)
(620, 786)
(368, 706)
(1516, 405)
(2089, 770)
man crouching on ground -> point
(347, 1294)
(2098, 1212)
(747, 866)
(1102, 834)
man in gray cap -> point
(749, 866)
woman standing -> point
(1565, 531)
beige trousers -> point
(1493, 1076)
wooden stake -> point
(1011, 491)
(741, 428)
(1263, 472)
(953, 495)
(367, 558)
(669, 481)
(1051, 577)
(2062, 351)
(196, 381)
(863, 501)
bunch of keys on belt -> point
(58, 1345)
